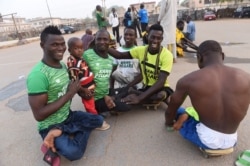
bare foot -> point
(109, 102)
(49, 139)
(178, 124)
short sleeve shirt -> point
(102, 69)
(165, 63)
(54, 82)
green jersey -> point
(100, 21)
(54, 82)
(102, 69)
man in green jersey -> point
(50, 92)
(102, 65)
(100, 18)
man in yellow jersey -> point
(156, 64)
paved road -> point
(135, 138)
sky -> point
(59, 8)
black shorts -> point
(101, 106)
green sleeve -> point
(37, 82)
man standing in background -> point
(167, 18)
(135, 21)
(143, 16)
(127, 18)
(114, 22)
(101, 21)
(190, 34)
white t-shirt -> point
(113, 19)
(126, 70)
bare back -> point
(220, 95)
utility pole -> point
(104, 8)
(14, 21)
(49, 12)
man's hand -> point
(74, 87)
(86, 93)
(109, 102)
(131, 99)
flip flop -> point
(243, 159)
(105, 126)
(50, 157)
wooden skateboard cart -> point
(151, 105)
(213, 153)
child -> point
(78, 68)
(183, 114)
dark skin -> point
(220, 94)
(102, 40)
(129, 37)
(53, 50)
(155, 38)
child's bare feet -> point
(181, 119)
(49, 139)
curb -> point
(20, 42)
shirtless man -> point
(220, 95)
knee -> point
(72, 153)
(100, 119)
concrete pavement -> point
(135, 138)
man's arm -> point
(137, 79)
(41, 109)
(176, 100)
(119, 55)
(134, 99)
(112, 80)
(158, 85)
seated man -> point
(182, 43)
(102, 66)
(155, 63)
(127, 69)
(220, 96)
(50, 93)
(179, 36)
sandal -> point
(105, 126)
(50, 157)
(243, 159)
